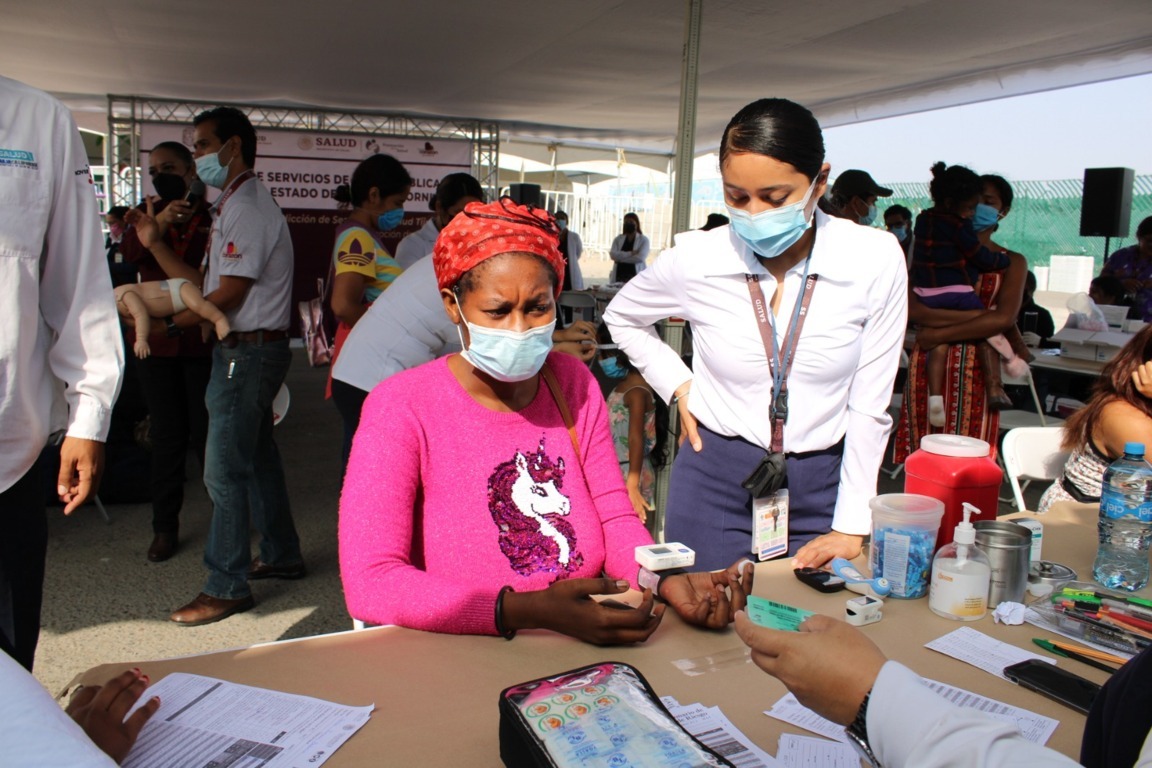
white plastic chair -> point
(1016, 419)
(1033, 453)
(582, 304)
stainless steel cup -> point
(1009, 548)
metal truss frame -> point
(127, 113)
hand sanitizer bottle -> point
(960, 575)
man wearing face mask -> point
(854, 196)
(898, 221)
(167, 240)
(249, 277)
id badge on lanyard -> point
(765, 484)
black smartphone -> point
(823, 581)
(1055, 683)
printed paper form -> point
(713, 729)
(1036, 728)
(806, 752)
(203, 721)
(980, 650)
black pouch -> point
(768, 477)
(602, 714)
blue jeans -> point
(242, 467)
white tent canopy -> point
(599, 71)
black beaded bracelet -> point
(507, 634)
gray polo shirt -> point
(250, 239)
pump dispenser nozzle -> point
(965, 532)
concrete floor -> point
(105, 602)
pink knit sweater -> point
(445, 501)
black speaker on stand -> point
(525, 194)
(1106, 207)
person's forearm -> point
(172, 265)
(350, 314)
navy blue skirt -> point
(709, 511)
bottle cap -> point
(1134, 448)
(957, 446)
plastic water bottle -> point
(1125, 522)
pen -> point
(1052, 648)
(231, 368)
(1090, 652)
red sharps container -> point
(955, 469)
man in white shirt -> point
(249, 277)
(839, 673)
(58, 323)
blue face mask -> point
(869, 217)
(901, 233)
(507, 355)
(612, 368)
(771, 232)
(390, 219)
(986, 216)
(211, 171)
(562, 223)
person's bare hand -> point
(81, 465)
(710, 599)
(638, 502)
(176, 212)
(583, 351)
(688, 427)
(1142, 378)
(579, 331)
(1031, 339)
(567, 607)
(828, 665)
(928, 338)
(822, 549)
(100, 711)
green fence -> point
(1045, 218)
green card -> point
(775, 615)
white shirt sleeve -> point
(632, 315)
(76, 299)
(35, 731)
(639, 253)
(869, 396)
(909, 724)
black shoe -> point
(261, 570)
(163, 547)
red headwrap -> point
(484, 230)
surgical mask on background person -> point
(629, 228)
(869, 217)
(562, 223)
(390, 219)
(773, 231)
(612, 368)
(901, 233)
(169, 186)
(986, 216)
(211, 171)
(507, 355)
(116, 230)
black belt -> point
(1076, 493)
(257, 337)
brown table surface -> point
(436, 695)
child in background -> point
(639, 423)
(947, 261)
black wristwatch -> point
(173, 329)
(857, 732)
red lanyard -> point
(779, 408)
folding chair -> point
(580, 302)
(1033, 453)
(1016, 419)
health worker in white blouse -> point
(782, 458)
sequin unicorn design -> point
(527, 506)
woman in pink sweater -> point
(482, 498)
